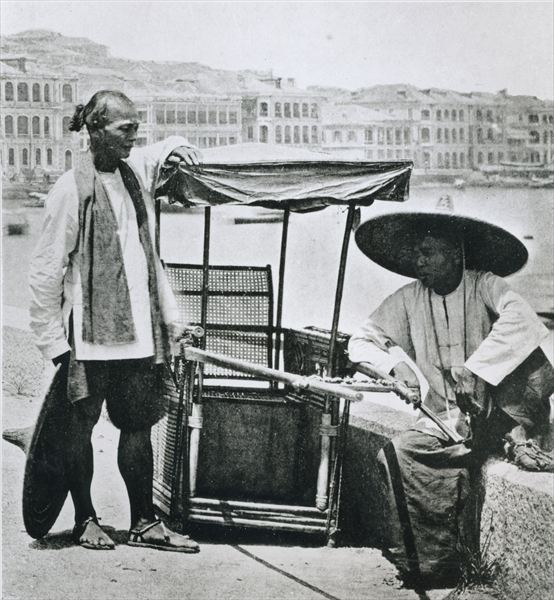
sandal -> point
(80, 529)
(136, 538)
(529, 456)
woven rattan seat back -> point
(239, 319)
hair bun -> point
(78, 119)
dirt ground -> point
(249, 566)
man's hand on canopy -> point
(190, 156)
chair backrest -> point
(239, 313)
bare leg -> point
(135, 460)
(80, 465)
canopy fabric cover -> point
(298, 183)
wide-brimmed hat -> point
(45, 484)
(390, 239)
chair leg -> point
(195, 425)
(322, 495)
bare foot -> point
(90, 535)
(156, 535)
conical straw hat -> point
(390, 240)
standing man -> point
(470, 344)
(102, 307)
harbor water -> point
(314, 244)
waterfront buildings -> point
(278, 112)
(36, 109)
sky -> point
(479, 46)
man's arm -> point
(514, 335)
(386, 327)
(48, 264)
(148, 160)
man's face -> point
(119, 134)
(437, 262)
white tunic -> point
(55, 273)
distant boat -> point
(15, 222)
(35, 200)
(541, 182)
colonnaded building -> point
(36, 110)
(441, 131)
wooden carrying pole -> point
(404, 392)
(281, 286)
(296, 381)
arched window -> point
(446, 136)
(25, 157)
(49, 157)
(461, 135)
(314, 112)
(315, 136)
(479, 136)
(425, 137)
(296, 134)
(287, 110)
(446, 115)
(263, 109)
(490, 158)
(305, 110)
(263, 134)
(46, 92)
(287, 134)
(480, 158)
(46, 126)
(65, 125)
(68, 160)
(478, 115)
(462, 160)
(447, 160)
(454, 160)
(439, 160)
(36, 126)
(461, 115)
(296, 110)
(22, 92)
(454, 136)
(305, 134)
(36, 92)
(545, 137)
(490, 135)
(439, 135)
(278, 112)
(534, 137)
(439, 115)
(425, 115)
(454, 115)
(22, 126)
(38, 157)
(67, 93)
(337, 136)
(8, 125)
(278, 134)
(489, 116)
(8, 92)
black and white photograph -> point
(277, 300)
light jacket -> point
(54, 275)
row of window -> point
(195, 116)
(287, 134)
(38, 157)
(199, 142)
(446, 115)
(536, 119)
(535, 137)
(38, 93)
(290, 110)
(450, 135)
(23, 126)
(380, 154)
